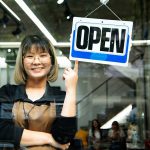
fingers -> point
(66, 72)
(70, 72)
(68, 69)
(66, 146)
(76, 66)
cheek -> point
(25, 66)
(48, 68)
(49, 64)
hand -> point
(71, 77)
(62, 146)
(55, 144)
(32, 138)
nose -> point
(36, 60)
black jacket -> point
(63, 128)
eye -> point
(43, 55)
(29, 56)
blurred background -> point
(105, 92)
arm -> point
(30, 138)
(71, 77)
(35, 138)
(64, 127)
(12, 134)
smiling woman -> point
(28, 112)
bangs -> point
(36, 44)
(35, 48)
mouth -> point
(37, 69)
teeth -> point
(37, 68)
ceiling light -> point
(69, 17)
(104, 1)
(7, 8)
(9, 50)
(60, 2)
(37, 22)
(11, 57)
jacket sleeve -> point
(63, 129)
(9, 132)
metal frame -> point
(67, 44)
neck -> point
(35, 89)
(36, 83)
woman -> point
(95, 134)
(27, 110)
(116, 136)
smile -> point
(39, 68)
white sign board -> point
(101, 41)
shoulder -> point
(56, 90)
(7, 88)
(56, 93)
(7, 91)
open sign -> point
(101, 41)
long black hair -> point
(98, 127)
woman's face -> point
(95, 124)
(37, 64)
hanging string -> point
(26, 114)
(93, 11)
(112, 12)
(107, 8)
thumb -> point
(76, 66)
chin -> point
(39, 76)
